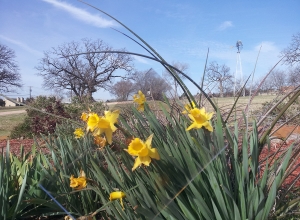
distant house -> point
(13, 102)
(287, 89)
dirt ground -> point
(12, 112)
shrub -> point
(77, 106)
(51, 112)
(45, 113)
(22, 130)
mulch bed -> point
(15, 146)
(269, 152)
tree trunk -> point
(90, 96)
(221, 89)
(176, 85)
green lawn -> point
(8, 122)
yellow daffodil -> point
(104, 124)
(143, 151)
(92, 122)
(188, 108)
(140, 99)
(78, 133)
(84, 116)
(117, 195)
(100, 141)
(200, 119)
(78, 183)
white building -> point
(13, 102)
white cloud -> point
(225, 25)
(22, 45)
(82, 15)
(194, 48)
(266, 46)
(140, 59)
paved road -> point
(12, 112)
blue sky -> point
(180, 30)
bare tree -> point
(150, 83)
(294, 76)
(228, 87)
(266, 87)
(77, 67)
(277, 79)
(292, 52)
(219, 74)
(169, 77)
(9, 70)
(122, 89)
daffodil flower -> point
(143, 151)
(84, 116)
(104, 124)
(100, 141)
(117, 195)
(78, 133)
(140, 99)
(78, 183)
(200, 119)
(188, 108)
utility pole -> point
(30, 92)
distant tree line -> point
(220, 82)
(148, 81)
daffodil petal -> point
(113, 127)
(137, 163)
(116, 195)
(209, 115)
(108, 135)
(208, 126)
(153, 153)
(145, 160)
(92, 122)
(191, 117)
(112, 117)
(191, 126)
(149, 141)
